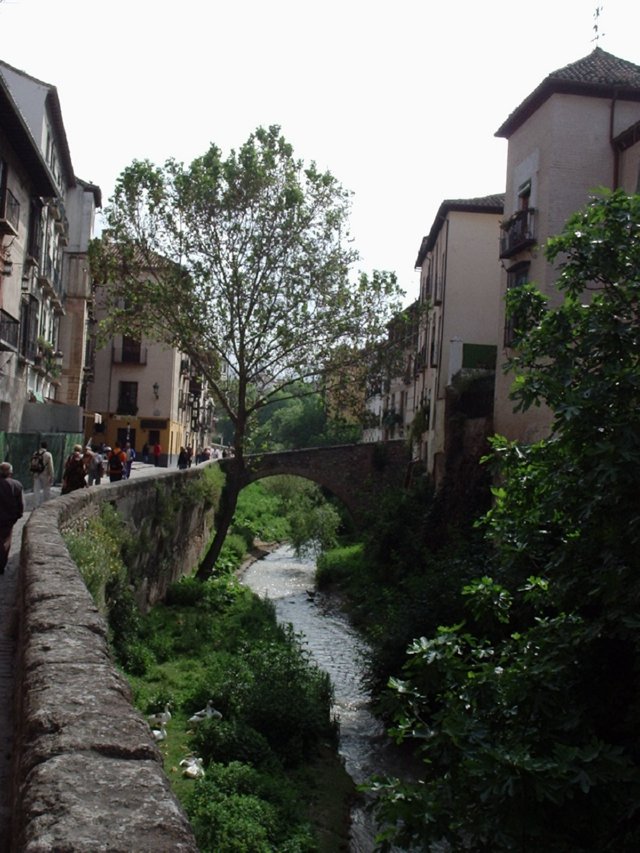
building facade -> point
(143, 392)
(47, 289)
(458, 330)
(577, 132)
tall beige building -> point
(577, 132)
(459, 276)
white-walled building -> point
(459, 322)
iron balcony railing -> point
(518, 233)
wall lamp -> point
(156, 390)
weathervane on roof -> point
(597, 35)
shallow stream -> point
(338, 650)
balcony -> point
(9, 214)
(518, 233)
(127, 406)
(9, 332)
(129, 355)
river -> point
(337, 649)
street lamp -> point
(156, 390)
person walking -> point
(130, 454)
(183, 459)
(157, 450)
(11, 509)
(43, 473)
(74, 471)
(145, 453)
(117, 461)
(95, 470)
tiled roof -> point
(598, 75)
(483, 204)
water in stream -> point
(338, 650)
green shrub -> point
(223, 741)
(337, 565)
(233, 824)
(97, 551)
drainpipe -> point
(616, 152)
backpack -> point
(37, 462)
(115, 463)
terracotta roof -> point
(483, 204)
(598, 75)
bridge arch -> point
(356, 474)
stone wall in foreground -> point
(87, 774)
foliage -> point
(289, 423)
(225, 255)
(97, 553)
(287, 508)
(252, 807)
(222, 644)
(527, 709)
(242, 264)
(261, 512)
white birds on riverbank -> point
(208, 713)
(161, 718)
(193, 768)
(159, 734)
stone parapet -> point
(87, 775)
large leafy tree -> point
(243, 263)
(528, 712)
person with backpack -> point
(74, 471)
(95, 469)
(41, 466)
(117, 460)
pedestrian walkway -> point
(8, 640)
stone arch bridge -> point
(357, 474)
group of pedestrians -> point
(83, 467)
(87, 467)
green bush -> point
(234, 824)
(338, 565)
(223, 741)
(97, 551)
(287, 827)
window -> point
(29, 327)
(127, 398)
(9, 205)
(435, 334)
(130, 350)
(517, 276)
(524, 195)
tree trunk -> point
(223, 518)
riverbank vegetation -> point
(272, 778)
(520, 686)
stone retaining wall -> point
(87, 775)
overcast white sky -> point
(399, 100)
